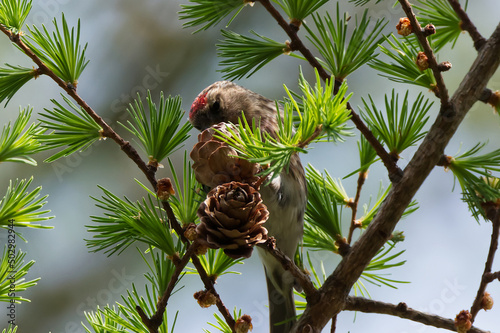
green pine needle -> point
(209, 13)
(403, 69)
(475, 175)
(382, 261)
(216, 263)
(158, 133)
(367, 156)
(13, 78)
(125, 222)
(101, 322)
(12, 265)
(369, 214)
(323, 213)
(342, 56)
(71, 128)
(162, 268)
(61, 51)
(243, 56)
(221, 325)
(10, 329)
(122, 318)
(399, 128)
(13, 14)
(444, 18)
(186, 201)
(129, 317)
(22, 208)
(316, 239)
(363, 2)
(321, 116)
(262, 148)
(479, 164)
(333, 186)
(19, 141)
(300, 9)
(321, 113)
(480, 192)
(317, 281)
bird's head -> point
(224, 101)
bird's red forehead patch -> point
(198, 103)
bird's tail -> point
(281, 304)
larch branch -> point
(402, 310)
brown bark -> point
(401, 310)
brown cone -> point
(215, 162)
(231, 219)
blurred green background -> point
(139, 45)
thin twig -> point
(209, 285)
(442, 91)
(403, 311)
(395, 173)
(145, 319)
(445, 161)
(295, 42)
(334, 324)
(490, 97)
(297, 45)
(149, 171)
(486, 95)
(467, 25)
(107, 131)
(310, 139)
(156, 320)
(302, 278)
(476, 305)
(179, 266)
(207, 281)
(354, 205)
(490, 277)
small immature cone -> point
(243, 324)
(429, 29)
(422, 61)
(231, 218)
(165, 189)
(404, 27)
(201, 249)
(190, 232)
(494, 99)
(397, 236)
(205, 298)
(444, 66)
(487, 302)
(216, 163)
(463, 321)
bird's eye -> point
(215, 107)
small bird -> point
(285, 197)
